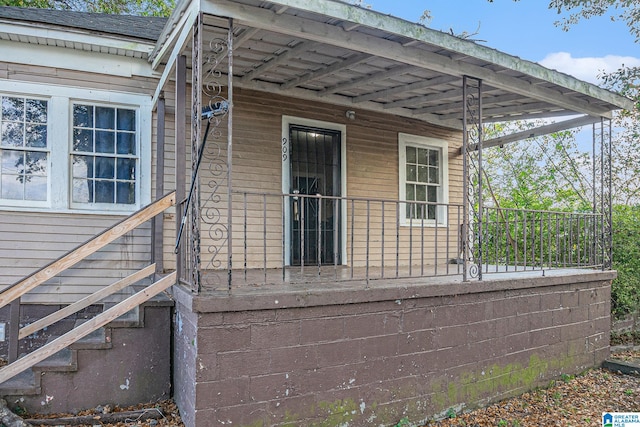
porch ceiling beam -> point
(539, 131)
(486, 102)
(277, 60)
(417, 100)
(331, 34)
(365, 80)
(244, 37)
(423, 84)
(333, 68)
(527, 116)
(345, 102)
(459, 48)
(538, 107)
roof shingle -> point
(139, 27)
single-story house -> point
(305, 181)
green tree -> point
(123, 7)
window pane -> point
(36, 111)
(83, 115)
(421, 193)
(434, 175)
(411, 192)
(422, 174)
(105, 118)
(105, 167)
(105, 191)
(82, 167)
(36, 188)
(431, 212)
(411, 172)
(126, 169)
(432, 194)
(12, 187)
(126, 193)
(126, 119)
(105, 142)
(12, 161)
(433, 157)
(422, 156)
(36, 163)
(37, 136)
(411, 155)
(12, 108)
(126, 143)
(82, 191)
(83, 140)
(12, 134)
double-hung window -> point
(69, 149)
(423, 179)
(24, 150)
(104, 155)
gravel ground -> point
(569, 401)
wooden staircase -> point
(60, 354)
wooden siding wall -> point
(372, 172)
(30, 240)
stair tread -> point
(22, 384)
(62, 360)
(98, 339)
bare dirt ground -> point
(568, 401)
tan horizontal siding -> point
(372, 172)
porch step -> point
(100, 339)
(26, 383)
(66, 360)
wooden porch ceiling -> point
(376, 62)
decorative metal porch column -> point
(211, 210)
(472, 178)
(602, 190)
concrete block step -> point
(100, 339)
(66, 360)
(26, 383)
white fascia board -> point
(180, 23)
(395, 51)
(71, 59)
(75, 36)
(178, 39)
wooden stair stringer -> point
(28, 361)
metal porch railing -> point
(298, 238)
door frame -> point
(287, 121)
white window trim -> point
(405, 140)
(287, 121)
(59, 131)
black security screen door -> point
(315, 170)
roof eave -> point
(366, 17)
(29, 29)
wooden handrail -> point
(81, 252)
(26, 362)
(86, 301)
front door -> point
(315, 170)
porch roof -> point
(360, 59)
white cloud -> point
(587, 69)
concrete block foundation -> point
(350, 356)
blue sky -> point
(526, 29)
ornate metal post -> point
(193, 250)
(602, 198)
(472, 178)
(217, 210)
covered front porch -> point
(332, 143)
